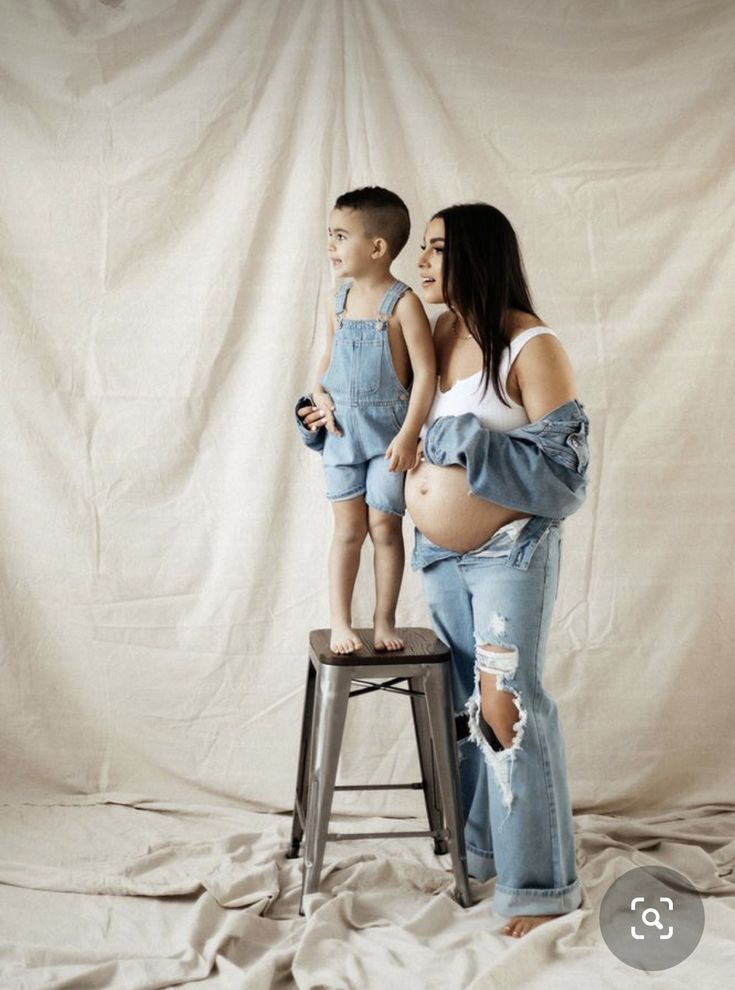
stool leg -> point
(438, 688)
(302, 778)
(426, 762)
(332, 694)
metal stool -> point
(424, 664)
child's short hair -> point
(384, 214)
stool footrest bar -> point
(387, 686)
(341, 837)
(379, 787)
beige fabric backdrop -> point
(165, 175)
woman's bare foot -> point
(385, 637)
(523, 923)
(344, 639)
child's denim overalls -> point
(370, 407)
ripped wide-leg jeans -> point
(518, 819)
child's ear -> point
(380, 247)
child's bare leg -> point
(350, 530)
(386, 532)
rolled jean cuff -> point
(510, 902)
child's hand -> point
(323, 402)
(403, 452)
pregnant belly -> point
(437, 500)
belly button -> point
(423, 488)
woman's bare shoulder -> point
(520, 322)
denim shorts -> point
(355, 463)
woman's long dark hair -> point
(482, 278)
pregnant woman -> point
(505, 451)
(505, 456)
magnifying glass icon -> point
(656, 923)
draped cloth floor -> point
(144, 894)
(166, 169)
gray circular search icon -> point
(652, 918)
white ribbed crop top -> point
(465, 396)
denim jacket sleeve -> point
(539, 468)
(315, 440)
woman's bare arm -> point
(545, 376)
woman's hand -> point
(320, 414)
(403, 452)
(419, 455)
(313, 418)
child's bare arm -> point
(322, 398)
(321, 370)
(403, 451)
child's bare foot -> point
(344, 640)
(385, 637)
(523, 923)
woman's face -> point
(430, 261)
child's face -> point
(430, 261)
(350, 249)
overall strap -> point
(340, 300)
(391, 298)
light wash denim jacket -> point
(539, 468)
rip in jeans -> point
(503, 664)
